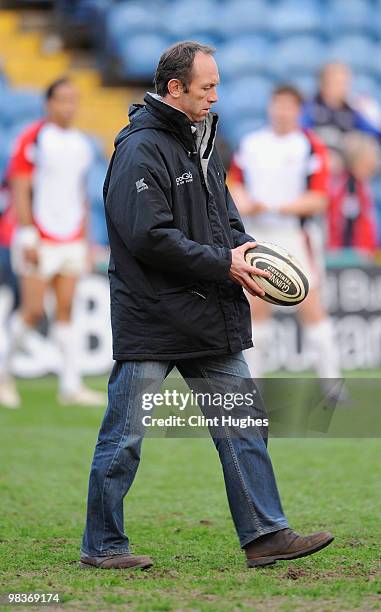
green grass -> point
(177, 512)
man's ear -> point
(175, 88)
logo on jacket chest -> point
(141, 185)
(186, 177)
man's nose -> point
(213, 97)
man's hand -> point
(240, 271)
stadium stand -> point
(298, 55)
(356, 50)
(296, 17)
(273, 38)
(350, 16)
(242, 17)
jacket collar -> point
(174, 119)
(319, 100)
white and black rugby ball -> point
(288, 284)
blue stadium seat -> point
(346, 16)
(188, 19)
(205, 38)
(98, 228)
(366, 84)
(4, 152)
(3, 81)
(246, 96)
(243, 16)
(139, 55)
(301, 54)
(376, 19)
(234, 131)
(15, 130)
(356, 50)
(81, 12)
(95, 180)
(306, 83)
(297, 17)
(128, 19)
(243, 55)
(19, 106)
(7, 141)
(98, 148)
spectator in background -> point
(47, 180)
(351, 214)
(279, 181)
(331, 114)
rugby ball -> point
(288, 284)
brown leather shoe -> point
(284, 544)
(127, 561)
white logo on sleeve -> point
(184, 178)
(141, 185)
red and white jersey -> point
(278, 169)
(57, 160)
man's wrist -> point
(28, 236)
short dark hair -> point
(288, 90)
(177, 63)
(51, 89)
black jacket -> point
(171, 224)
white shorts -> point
(69, 259)
(306, 245)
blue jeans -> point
(249, 479)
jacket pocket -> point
(174, 290)
(190, 319)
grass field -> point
(177, 511)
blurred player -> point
(47, 179)
(351, 214)
(332, 113)
(279, 181)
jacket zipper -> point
(201, 172)
(201, 295)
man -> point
(330, 113)
(177, 260)
(47, 179)
(279, 181)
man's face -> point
(335, 82)
(284, 113)
(202, 91)
(63, 105)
